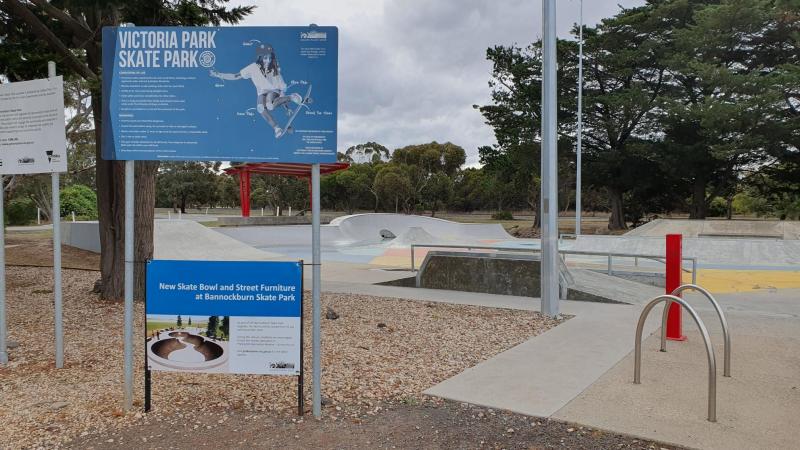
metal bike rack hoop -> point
(725, 331)
(712, 364)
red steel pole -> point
(244, 192)
(673, 281)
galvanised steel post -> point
(3, 330)
(316, 338)
(579, 131)
(549, 265)
(128, 334)
(56, 214)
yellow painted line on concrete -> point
(729, 281)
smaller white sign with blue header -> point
(225, 316)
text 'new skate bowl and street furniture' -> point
(186, 350)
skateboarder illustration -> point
(265, 73)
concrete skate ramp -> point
(367, 227)
(285, 236)
(365, 230)
(723, 252)
(413, 235)
(189, 240)
(749, 229)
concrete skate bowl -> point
(733, 229)
(410, 229)
(711, 252)
(186, 351)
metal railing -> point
(725, 332)
(712, 363)
(610, 255)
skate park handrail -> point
(725, 331)
(712, 362)
(610, 255)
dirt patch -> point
(379, 351)
(439, 425)
(36, 249)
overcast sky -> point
(410, 70)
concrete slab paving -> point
(758, 407)
(540, 376)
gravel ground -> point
(441, 425)
(367, 366)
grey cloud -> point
(410, 70)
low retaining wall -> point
(83, 235)
(506, 274)
(236, 221)
(492, 273)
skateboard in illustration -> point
(306, 101)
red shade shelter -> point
(243, 171)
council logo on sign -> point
(207, 59)
(313, 36)
(52, 156)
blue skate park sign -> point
(249, 94)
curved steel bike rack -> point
(725, 333)
(712, 363)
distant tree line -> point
(688, 105)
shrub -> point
(20, 211)
(79, 199)
(503, 215)
(718, 207)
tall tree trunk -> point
(144, 222)
(699, 208)
(617, 219)
(729, 208)
(536, 206)
(111, 211)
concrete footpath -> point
(543, 374)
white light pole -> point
(579, 132)
(549, 263)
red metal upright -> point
(674, 273)
(244, 192)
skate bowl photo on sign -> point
(190, 343)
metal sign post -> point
(56, 219)
(128, 336)
(549, 266)
(3, 343)
(579, 131)
(316, 338)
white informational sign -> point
(32, 136)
